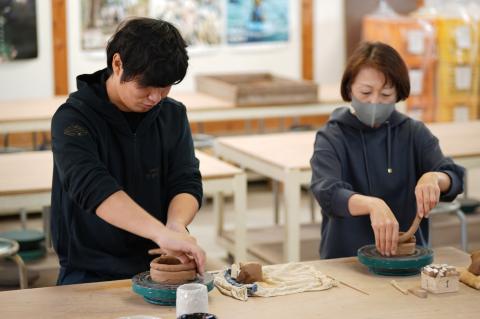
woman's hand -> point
(427, 193)
(385, 227)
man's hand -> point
(182, 246)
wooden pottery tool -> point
(163, 294)
(419, 292)
(395, 284)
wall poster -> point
(18, 30)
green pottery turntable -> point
(163, 294)
(395, 265)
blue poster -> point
(257, 21)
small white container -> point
(191, 298)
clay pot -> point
(406, 248)
(169, 270)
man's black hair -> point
(153, 52)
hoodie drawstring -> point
(389, 148)
(365, 159)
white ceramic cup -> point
(191, 298)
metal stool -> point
(9, 249)
(448, 208)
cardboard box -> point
(256, 89)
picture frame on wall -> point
(206, 25)
(18, 30)
(255, 21)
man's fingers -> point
(157, 251)
(200, 259)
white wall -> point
(329, 41)
(280, 59)
(34, 78)
(31, 78)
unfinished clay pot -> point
(407, 247)
(169, 270)
(475, 265)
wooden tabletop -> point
(116, 299)
(293, 150)
(212, 167)
(33, 109)
(458, 139)
(31, 172)
(26, 172)
(44, 108)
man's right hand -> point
(385, 227)
(183, 246)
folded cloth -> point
(277, 280)
(469, 279)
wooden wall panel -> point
(307, 39)
(59, 31)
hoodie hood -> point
(92, 97)
(344, 116)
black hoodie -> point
(385, 162)
(95, 155)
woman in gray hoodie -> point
(374, 168)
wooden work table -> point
(116, 299)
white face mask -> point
(372, 114)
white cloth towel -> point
(279, 280)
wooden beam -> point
(59, 29)
(307, 39)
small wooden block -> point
(440, 285)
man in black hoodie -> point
(373, 168)
(125, 177)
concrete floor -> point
(260, 214)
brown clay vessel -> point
(169, 270)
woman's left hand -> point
(427, 193)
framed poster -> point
(199, 21)
(100, 19)
(18, 30)
(257, 21)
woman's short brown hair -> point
(381, 57)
